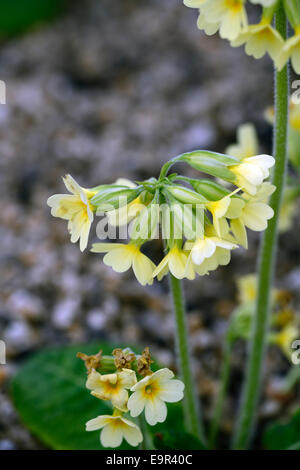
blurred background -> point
(101, 90)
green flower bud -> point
(115, 197)
(209, 189)
(185, 195)
(214, 164)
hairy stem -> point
(257, 346)
(191, 408)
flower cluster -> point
(285, 327)
(131, 387)
(230, 18)
(200, 220)
(247, 144)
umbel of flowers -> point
(230, 19)
(200, 220)
(132, 388)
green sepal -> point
(115, 197)
(214, 164)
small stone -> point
(6, 444)
(96, 320)
(65, 312)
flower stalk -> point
(257, 345)
(191, 407)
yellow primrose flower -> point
(221, 207)
(285, 338)
(290, 50)
(151, 393)
(288, 210)
(203, 249)
(231, 15)
(125, 214)
(112, 387)
(115, 428)
(175, 261)
(247, 142)
(122, 257)
(251, 172)
(247, 287)
(76, 208)
(254, 214)
(294, 116)
(206, 26)
(260, 39)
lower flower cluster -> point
(133, 388)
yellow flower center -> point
(234, 5)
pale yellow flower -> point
(115, 428)
(174, 262)
(151, 393)
(125, 214)
(203, 249)
(221, 207)
(260, 39)
(252, 171)
(285, 338)
(112, 387)
(254, 215)
(122, 257)
(230, 14)
(287, 213)
(208, 27)
(76, 208)
(290, 50)
(247, 142)
(247, 288)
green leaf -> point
(179, 440)
(284, 436)
(50, 396)
(19, 15)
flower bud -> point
(214, 164)
(115, 197)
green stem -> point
(251, 392)
(219, 405)
(191, 409)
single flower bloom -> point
(260, 39)
(230, 14)
(221, 207)
(290, 50)
(247, 288)
(247, 142)
(174, 262)
(252, 171)
(254, 215)
(203, 249)
(208, 27)
(122, 257)
(151, 393)
(115, 428)
(76, 208)
(112, 387)
(285, 338)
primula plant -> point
(200, 221)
